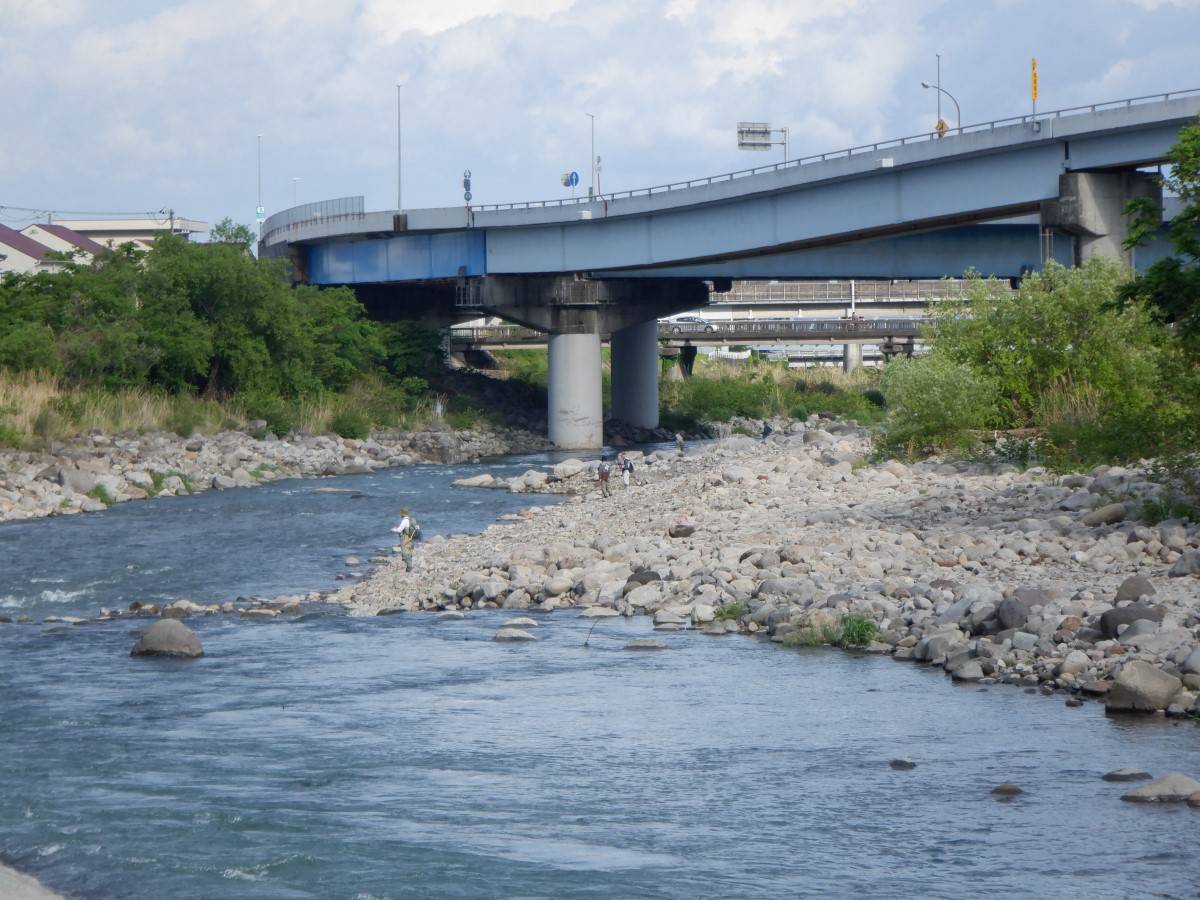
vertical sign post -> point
(1033, 84)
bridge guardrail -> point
(338, 209)
(766, 329)
(840, 154)
(861, 291)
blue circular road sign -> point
(573, 179)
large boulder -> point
(1109, 514)
(1134, 588)
(1014, 611)
(1187, 564)
(168, 637)
(1142, 687)
(484, 480)
(1191, 664)
(514, 635)
(568, 468)
(737, 473)
(1113, 619)
(1172, 788)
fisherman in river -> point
(603, 471)
(626, 466)
(679, 442)
(408, 530)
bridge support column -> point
(852, 357)
(1091, 206)
(575, 413)
(635, 368)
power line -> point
(40, 210)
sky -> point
(139, 105)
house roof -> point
(10, 237)
(72, 237)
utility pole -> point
(399, 147)
(258, 209)
(592, 160)
(939, 86)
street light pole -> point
(942, 90)
(939, 85)
(592, 160)
(400, 148)
(257, 214)
(294, 182)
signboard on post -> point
(754, 136)
(260, 213)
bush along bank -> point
(995, 575)
(95, 471)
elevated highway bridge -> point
(1001, 197)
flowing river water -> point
(407, 756)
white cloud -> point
(160, 104)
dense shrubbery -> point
(187, 321)
(935, 401)
(719, 391)
(1100, 381)
(1103, 365)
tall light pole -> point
(295, 181)
(399, 147)
(258, 210)
(939, 85)
(592, 160)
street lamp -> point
(940, 128)
(399, 147)
(592, 160)
(942, 90)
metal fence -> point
(924, 137)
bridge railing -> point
(848, 152)
(794, 328)
(859, 291)
(336, 210)
(765, 329)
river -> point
(408, 756)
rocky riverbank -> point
(995, 575)
(95, 471)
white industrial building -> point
(22, 254)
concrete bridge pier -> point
(852, 357)
(635, 368)
(1091, 206)
(574, 311)
(575, 407)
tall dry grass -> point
(37, 408)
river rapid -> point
(411, 756)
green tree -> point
(226, 232)
(1172, 286)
